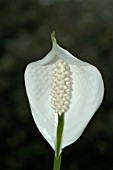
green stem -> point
(57, 158)
(57, 163)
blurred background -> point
(83, 27)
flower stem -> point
(57, 158)
(57, 163)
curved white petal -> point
(38, 86)
(87, 94)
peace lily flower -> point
(60, 85)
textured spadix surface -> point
(87, 92)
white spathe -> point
(86, 96)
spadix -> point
(61, 87)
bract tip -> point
(53, 37)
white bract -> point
(62, 84)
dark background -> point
(85, 28)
